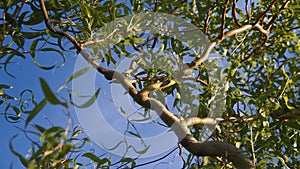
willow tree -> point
(259, 100)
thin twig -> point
(234, 13)
(275, 16)
(224, 18)
(159, 159)
(265, 12)
(247, 12)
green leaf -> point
(31, 35)
(76, 133)
(128, 160)
(49, 133)
(17, 114)
(33, 51)
(134, 134)
(49, 94)
(79, 73)
(41, 66)
(4, 86)
(13, 53)
(126, 42)
(91, 156)
(143, 151)
(35, 18)
(89, 102)
(33, 46)
(96, 159)
(286, 100)
(40, 128)
(66, 148)
(137, 40)
(6, 96)
(35, 111)
(18, 38)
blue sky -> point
(27, 77)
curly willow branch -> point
(210, 148)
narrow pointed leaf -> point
(35, 111)
(49, 94)
(79, 73)
(90, 101)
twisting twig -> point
(224, 18)
(62, 33)
(265, 12)
(106, 72)
(234, 13)
(179, 127)
(159, 159)
(247, 12)
(275, 16)
(252, 145)
(181, 156)
(205, 28)
(260, 47)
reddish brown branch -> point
(205, 28)
(247, 12)
(155, 5)
(260, 47)
(62, 33)
(234, 13)
(179, 127)
(275, 16)
(224, 18)
(265, 12)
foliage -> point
(263, 74)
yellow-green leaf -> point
(90, 101)
(35, 111)
(79, 73)
(49, 94)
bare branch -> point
(208, 120)
(210, 148)
(156, 86)
(218, 148)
